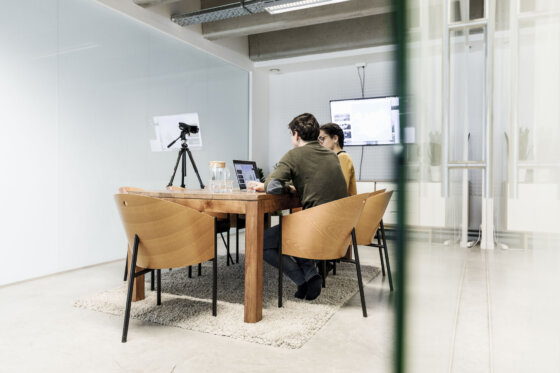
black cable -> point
(361, 161)
(362, 85)
(360, 76)
(364, 82)
(362, 79)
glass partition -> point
(469, 308)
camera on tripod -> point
(188, 128)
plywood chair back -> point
(372, 214)
(322, 232)
(126, 189)
(171, 235)
(377, 192)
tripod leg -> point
(183, 169)
(194, 166)
(181, 152)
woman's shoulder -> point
(343, 156)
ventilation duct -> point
(245, 8)
(218, 13)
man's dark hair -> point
(306, 126)
(332, 129)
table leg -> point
(267, 221)
(138, 290)
(253, 262)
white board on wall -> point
(167, 130)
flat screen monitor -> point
(368, 121)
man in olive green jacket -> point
(317, 178)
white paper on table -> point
(167, 130)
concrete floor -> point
(468, 311)
(473, 310)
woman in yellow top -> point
(332, 137)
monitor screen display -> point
(245, 172)
(368, 121)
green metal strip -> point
(400, 164)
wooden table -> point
(254, 206)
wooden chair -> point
(125, 190)
(323, 265)
(323, 233)
(223, 227)
(371, 227)
(165, 235)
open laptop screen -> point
(245, 171)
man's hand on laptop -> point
(259, 187)
(256, 186)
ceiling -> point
(344, 26)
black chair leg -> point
(226, 244)
(158, 286)
(215, 286)
(130, 288)
(224, 241)
(378, 235)
(324, 270)
(152, 281)
(200, 269)
(126, 266)
(215, 273)
(190, 271)
(228, 247)
(280, 275)
(334, 268)
(359, 272)
(237, 240)
(386, 255)
(381, 261)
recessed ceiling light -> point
(282, 6)
(274, 71)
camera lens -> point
(188, 128)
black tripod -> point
(182, 156)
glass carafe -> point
(219, 175)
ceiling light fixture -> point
(281, 6)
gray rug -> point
(186, 303)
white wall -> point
(80, 85)
(310, 91)
(259, 118)
(232, 50)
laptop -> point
(245, 171)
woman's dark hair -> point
(332, 129)
(306, 126)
